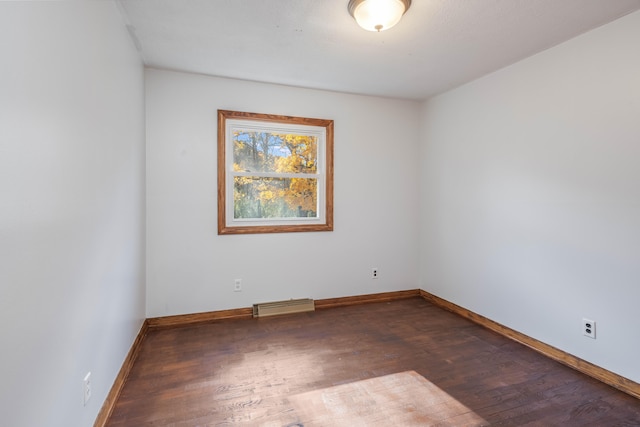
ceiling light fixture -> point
(378, 15)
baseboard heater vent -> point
(283, 307)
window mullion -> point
(276, 175)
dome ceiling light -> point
(378, 15)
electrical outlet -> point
(374, 273)
(86, 388)
(589, 328)
(237, 285)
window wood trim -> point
(223, 228)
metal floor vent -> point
(283, 307)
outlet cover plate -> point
(86, 388)
(589, 328)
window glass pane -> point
(274, 152)
(259, 197)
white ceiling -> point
(438, 45)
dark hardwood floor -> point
(398, 363)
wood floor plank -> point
(271, 371)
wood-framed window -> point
(275, 173)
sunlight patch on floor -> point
(405, 398)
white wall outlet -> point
(237, 285)
(374, 273)
(589, 328)
(86, 388)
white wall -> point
(192, 269)
(71, 207)
(531, 195)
